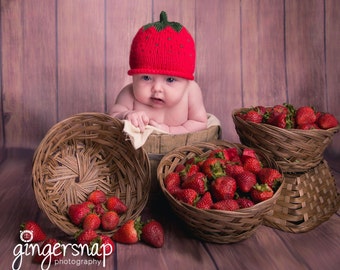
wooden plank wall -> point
(62, 57)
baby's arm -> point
(123, 109)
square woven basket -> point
(306, 200)
(82, 153)
(214, 226)
(294, 150)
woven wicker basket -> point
(214, 226)
(294, 150)
(82, 153)
(306, 200)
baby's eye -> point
(170, 79)
(146, 78)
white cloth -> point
(139, 138)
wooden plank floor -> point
(267, 249)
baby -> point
(163, 92)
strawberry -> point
(109, 220)
(261, 192)
(186, 195)
(153, 233)
(85, 237)
(36, 235)
(91, 222)
(197, 182)
(189, 170)
(248, 152)
(327, 120)
(129, 232)
(244, 202)
(213, 168)
(233, 169)
(223, 188)
(308, 126)
(253, 116)
(113, 203)
(219, 153)
(97, 196)
(231, 154)
(227, 205)
(245, 181)
(281, 116)
(305, 115)
(251, 164)
(55, 254)
(268, 176)
(179, 168)
(172, 182)
(105, 246)
(77, 212)
(99, 209)
(205, 202)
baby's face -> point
(159, 91)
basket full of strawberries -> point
(295, 138)
(221, 190)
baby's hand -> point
(138, 119)
(159, 126)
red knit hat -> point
(163, 48)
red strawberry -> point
(91, 222)
(261, 192)
(219, 153)
(187, 195)
(251, 164)
(327, 120)
(245, 181)
(102, 246)
(268, 176)
(99, 209)
(281, 116)
(197, 182)
(55, 254)
(153, 233)
(85, 237)
(77, 212)
(231, 153)
(172, 182)
(227, 205)
(244, 202)
(213, 168)
(205, 202)
(129, 232)
(233, 169)
(36, 235)
(223, 188)
(253, 116)
(97, 196)
(115, 204)
(308, 126)
(109, 220)
(305, 115)
(179, 168)
(248, 152)
(189, 170)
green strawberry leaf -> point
(163, 23)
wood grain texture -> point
(219, 60)
(267, 248)
(81, 58)
(305, 53)
(263, 62)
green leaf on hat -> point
(163, 22)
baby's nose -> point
(157, 87)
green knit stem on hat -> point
(163, 22)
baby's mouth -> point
(157, 100)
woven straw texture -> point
(306, 200)
(82, 153)
(294, 150)
(214, 226)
